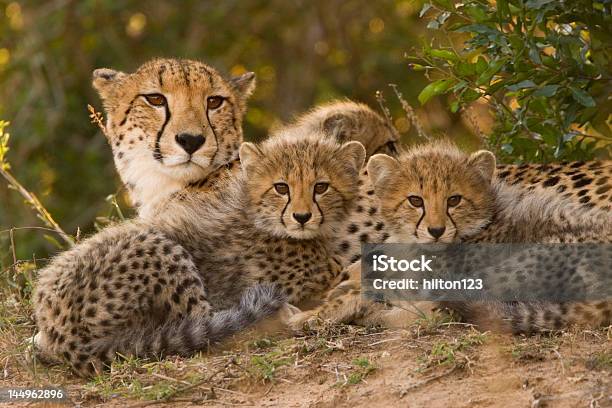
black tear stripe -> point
(419, 222)
(128, 110)
(317, 204)
(212, 159)
(451, 220)
(157, 151)
(282, 220)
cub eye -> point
(415, 201)
(213, 102)
(156, 99)
(454, 201)
(281, 188)
(320, 188)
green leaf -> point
(481, 65)
(465, 68)
(493, 69)
(470, 95)
(454, 106)
(507, 148)
(444, 54)
(537, 4)
(416, 67)
(534, 54)
(522, 85)
(547, 90)
(503, 10)
(582, 97)
(435, 88)
(477, 13)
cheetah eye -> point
(415, 201)
(391, 147)
(454, 201)
(214, 102)
(156, 99)
(320, 188)
(281, 188)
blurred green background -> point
(303, 52)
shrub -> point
(541, 65)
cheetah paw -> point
(304, 321)
(287, 311)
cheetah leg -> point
(345, 305)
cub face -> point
(172, 121)
(434, 193)
(301, 187)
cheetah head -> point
(301, 187)
(434, 193)
(171, 122)
(348, 120)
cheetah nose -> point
(436, 232)
(302, 218)
(190, 143)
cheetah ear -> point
(104, 79)
(484, 161)
(380, 168)
(249, 156)
(244, 84)
(354, 152)
(337, 126)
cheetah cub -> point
(171, 123)
(436, 193)
(205, 267)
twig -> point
(410, 114)
(96, 118)
(484, 140)
(383, 107)
(31, 198)
(13, 246)
(427, 381)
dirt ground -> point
(434, 364)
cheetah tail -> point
(188, 335)
(533, 317)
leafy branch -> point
(541, 65)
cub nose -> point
(436, 232)
(302, 218)
(190, 143)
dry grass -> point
(343, 360)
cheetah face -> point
(301, 187)
(172, 122)
(434, 193)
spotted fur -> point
(488, 210)
(204, 267)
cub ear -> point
(104, 78)
(354, 152)
(244, 84)
(337, 126)
(249, 156)
(380, 169)
(484, 161)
